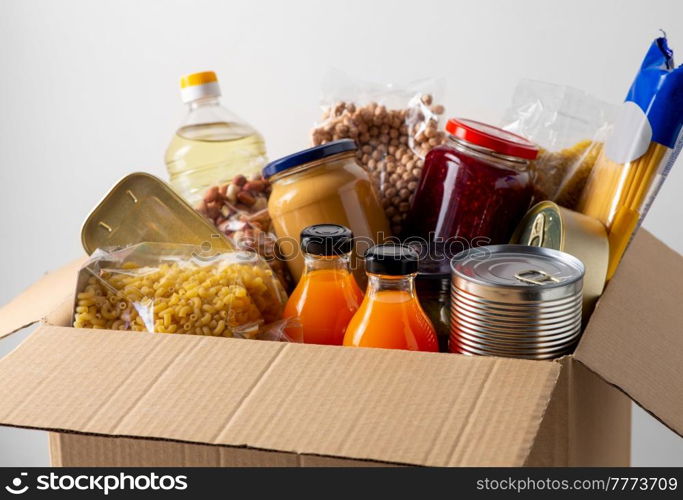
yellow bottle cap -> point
(198, 86)
(197, 79)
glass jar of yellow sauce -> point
(324, 185)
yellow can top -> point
(197, 79)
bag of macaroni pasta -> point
(174, 288)
(640, 152)
(570, 127)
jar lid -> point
(309, 155)
(391, 259)
(517, 272)
(327, 240)
(490, 137)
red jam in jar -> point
(473, 191)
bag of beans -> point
(394, 128)
(570, 126)
(239, 210)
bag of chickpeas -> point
(394, 128)
(174, 288)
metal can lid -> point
(549, 225)
(542, 226)
(524, 272)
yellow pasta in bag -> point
(163, 288)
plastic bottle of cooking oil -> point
(212, 145)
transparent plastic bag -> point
(394, 128)
(570, 126)
(239, 210)
(173, 288)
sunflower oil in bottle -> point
(212, 145)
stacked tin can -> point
(515, 301)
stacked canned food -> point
(515, 301)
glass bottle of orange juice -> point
(390, 315)
(327, 295)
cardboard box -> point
(126, 398)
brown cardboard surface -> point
(367, 404)
(634, 339)
(40, 298)
(599, 421)
(551, 446)
(587, 423)
(79, 450)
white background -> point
(89, 93)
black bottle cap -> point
(327, 240)
(391, 259)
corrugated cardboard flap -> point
(39, 299)
(635, 336)
(372, 404)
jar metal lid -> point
(308, 155)
(496, 139)
(517, 273)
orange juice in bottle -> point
(327, 295)
(390, 315)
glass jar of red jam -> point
(473, 191)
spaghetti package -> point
(640, 152)
(173, 288)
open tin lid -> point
(141, 208)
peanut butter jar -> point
(324, 185)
